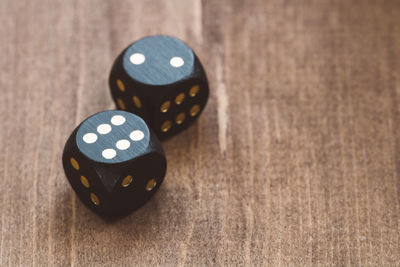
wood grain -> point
(295, 161)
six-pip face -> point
(160, 79)
(113, 137)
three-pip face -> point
(114, 162)
(160, 79)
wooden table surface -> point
(295, 161)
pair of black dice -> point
(114, 160)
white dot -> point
(176, 62)
(109, 153)
(123, 144)
(136, 135)
(90, 138)
(104, 128)
(118, 120)
(137, 58)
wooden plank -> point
(295, 160)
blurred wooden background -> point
(295, 161)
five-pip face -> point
(160, 79)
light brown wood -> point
(295, 161)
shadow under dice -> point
(160, 79)
(114, 162)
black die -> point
(114, 162)
(160, 79)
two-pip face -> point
(160, 79)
